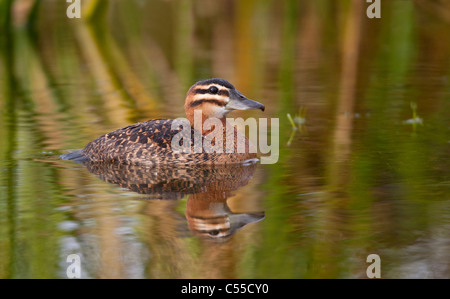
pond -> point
(363, 134)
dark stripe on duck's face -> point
(212, 101)
(207, 91)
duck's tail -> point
(76, 156)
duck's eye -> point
(213, 90)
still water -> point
(364, 140)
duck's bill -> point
(240, 102)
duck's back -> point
(149, 143)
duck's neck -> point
(202, 123)
(199, 119)
(238, 142)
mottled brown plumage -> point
(149, 143)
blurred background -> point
(364, 110)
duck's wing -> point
(141, 141)
(156, 132)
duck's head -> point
(216, 98)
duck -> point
(151, 142)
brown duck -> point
(149, 143)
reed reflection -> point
(208, 187)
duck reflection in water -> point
(208, 187)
